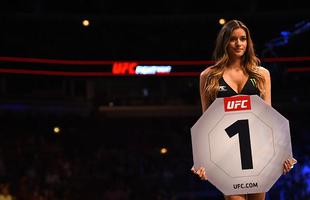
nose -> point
(238, 41)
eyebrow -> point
(242, 36)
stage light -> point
(285, 33)
(222, 21)
(85, 22)
(163, 150)
(56, 129)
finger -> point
(291, 166)
(294, 161)
(198, 172)
(288, 166)
(291, 162)
(201, 172)
(193, 169)
(204, 176)
(285, 167)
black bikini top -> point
(250, 88)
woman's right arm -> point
(202, 89)
(204, 104)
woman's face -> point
(237, 43)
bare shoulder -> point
(205, 73)
(264, 72)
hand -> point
(201, 172)
(288, 165)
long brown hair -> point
(249, 61)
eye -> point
(233, 39)
(243, 39)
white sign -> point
(242, 143)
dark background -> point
(112, 128)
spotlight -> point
(56, 129)
(222, 21)
(163, 150)
(85, 22)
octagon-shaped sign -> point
(242, 143)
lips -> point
(238, 50)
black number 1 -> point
(242, 127)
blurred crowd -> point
(106, 160)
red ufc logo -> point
(124, 68)
(237, 103)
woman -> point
(236, 71)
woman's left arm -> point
(289, 163)
(267, 85)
